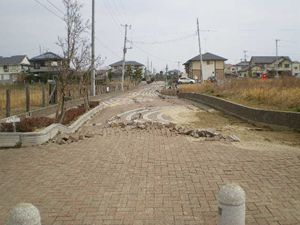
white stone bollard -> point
(24, 214)
(232, 205)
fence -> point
(17, 99)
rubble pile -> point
(137, 123)
(62, 139)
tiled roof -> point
(127, 63)
(267, 59)
(47, 56)
(13, 60)
(206, 57)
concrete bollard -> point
(232, 205)
(24, 214)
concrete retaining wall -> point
(274, 118)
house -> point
(269, 65)
(244, 72)
(116, 68)
(102, 75)
(213, 65)
(230, 70)
(295, 68)
(46, 66)
(174, 73)
(12, 68)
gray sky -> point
(235, 25)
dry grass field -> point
(18, 98)
(277, 94)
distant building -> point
(46, 66)
(12, 68)
(230, 70)
(174, 73)
(269, 65)
(116, 68)
(242, 68)
(102, 75)
(213, 65)
(295, 68)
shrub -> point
(33, 123)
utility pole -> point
(93, 74)
(151, 68)
(200, 52)
(124, 54)
(245, 55)
(277, 74)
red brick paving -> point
(146, 178)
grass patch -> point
(276, 94)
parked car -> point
(186, 80)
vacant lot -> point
(278, 94)
(18, 97)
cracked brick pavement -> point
(148, 177)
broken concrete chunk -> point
(233, 138)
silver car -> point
(186, 80)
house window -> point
(37, 66)
(5, 77)
(296, 68)
(280, 65)
(5, 68)
(208, 62)
(286, 65)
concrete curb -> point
(9, 140)
(13, 140)
(289, 120)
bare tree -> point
(76, 53)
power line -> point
(115, 6)
(167, 41)
(45, 7)
(107, 48)
(114, 19)
(57, 8)
(148, 53)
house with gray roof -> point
(46, 66)
(116, 68)
(213, 65)
(269, 65)
(13, 68)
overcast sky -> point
(162, 30)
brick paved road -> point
(148, 177)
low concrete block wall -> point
(9, 140)
(274, 118)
